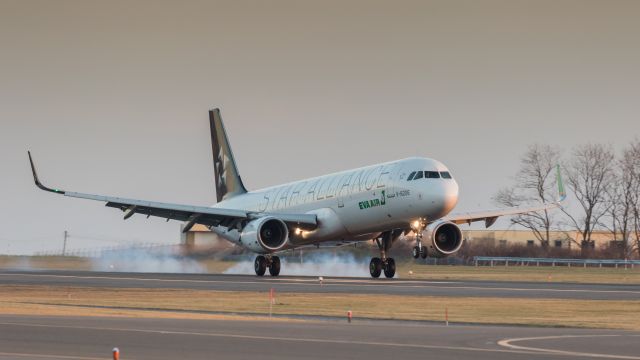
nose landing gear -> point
(261, 264)
(419, 251)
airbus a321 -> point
(381, 202)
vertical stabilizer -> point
(228, 183)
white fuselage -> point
(355, 204)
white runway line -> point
(508, 344)
(48, 356)
(337, 282)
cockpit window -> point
(431, 174)
(411, 176)
(445, 174)
(418, 175)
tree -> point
(590, 175)
(631, 162)
(535, 184)
(622, 198)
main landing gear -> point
(261, 264)
(384, 264)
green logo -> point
(373, 202)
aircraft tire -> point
(390, 268)
(415, 252)
(260, 265)
(274, 267)
(423, 253)
(375, 267)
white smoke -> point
(313, 264)
(144, 260)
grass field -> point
(521, 273)
(179, 303)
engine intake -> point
(265, 235)
(446, 238)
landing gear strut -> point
(384, 264)
(261, 264)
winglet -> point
(37, 181)
(562, 194)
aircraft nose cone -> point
(450, 198)
(442, 197)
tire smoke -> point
(313, 264)
(142, 260)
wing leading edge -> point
(490, 216)
(191, 214)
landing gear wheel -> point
(415, 252)
(274, 267)
(375, 267)
(423, 252)
(260, 265)
(390, 268)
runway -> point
(31, 337)
(301, 284)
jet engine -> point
(445, 237)
(265, 235)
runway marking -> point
(303, 340)
(50, 356)
(508, 344)
(334, 282)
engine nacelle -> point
(445, 238)
(265, 235)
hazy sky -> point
(112, 97)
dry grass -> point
(172, 303)
(521, 273)
(45, 262)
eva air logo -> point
(373, 202)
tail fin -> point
(228, 183)
(562, 194)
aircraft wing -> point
(490, 216)
(210, 216)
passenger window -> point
(431, 174)
(445, 175)
(411, 176)
(418, 175)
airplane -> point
(381, 202)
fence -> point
(102, 251)
(516, 261)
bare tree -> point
(619, 200)
(631, 163)
(590, 174)
(535, 184)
